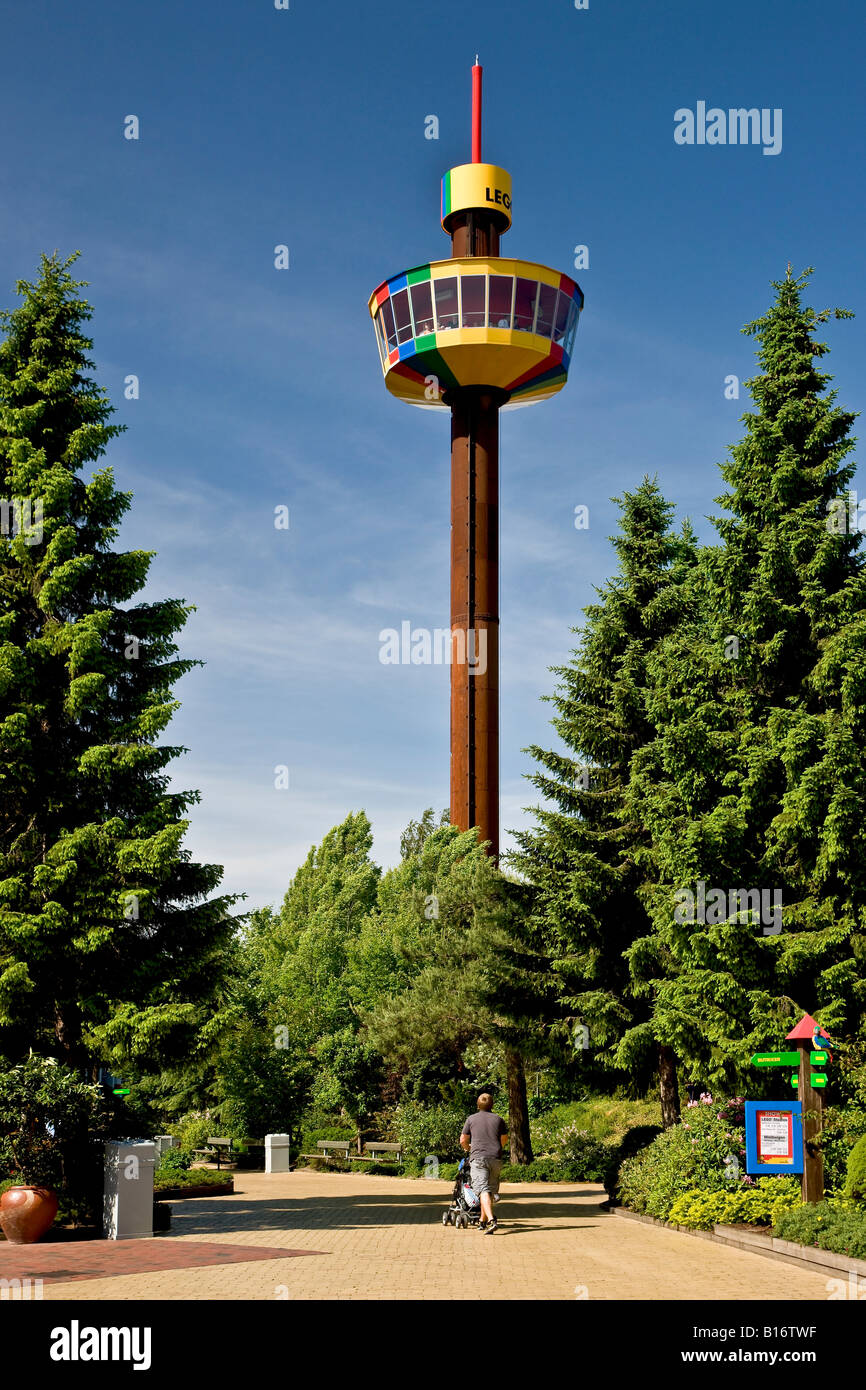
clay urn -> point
(26, 1213)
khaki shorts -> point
(484, 1175)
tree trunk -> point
(668, 1088)
(67, 1034)
(520, 1144)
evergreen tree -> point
(757, 779)
(586, 854)
(110, 947)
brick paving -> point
(63, 1261)
(381, 1238)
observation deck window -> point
(560, 322)
(447, 314)
(400, 302)
(388, 324)
(546, 310)
(573, 315)
(422, 309)
(524, 304)
(501, 298)
(473, 288)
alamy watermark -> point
(845, 516)
(717, 906)
(22, 516)
(736, 126)
(440, 647)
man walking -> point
(482, 1136)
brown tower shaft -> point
(475, 579)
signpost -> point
(776, 1059)
(783, 1136)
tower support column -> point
(475, 611)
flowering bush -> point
(586, 1156)
(759, 1204)
(704, 1151)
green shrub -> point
(543, 1170)
(633, 1141)
(48, 1122)
(855, 1178)
(429, 1129)
(586, 1157)
(827, 1226)
(174, 1161)
(844, 1126)
(758, 1204)
(605, 1117)
(192, 1131)
(190, 1177)
(694, 1154)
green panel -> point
(776, 1059)
(417, 277)
(426, 343)
(430, 363)
(819, 1059)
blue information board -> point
(774, 1136)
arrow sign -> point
(817, 1079)
(819, 1059)
(776, 1059)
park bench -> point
(339, 1147)
(216, 1148)
(393, 1152)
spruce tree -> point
(586, 854)
(109, 943)
(757, 780)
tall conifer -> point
(109, 943)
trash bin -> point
(163, 1143)
(277, 1153)
(127, 1208)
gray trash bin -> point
(127, 1209)
(277, 1153)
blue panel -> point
(400, 283)
(794, 1107)
(407, 349)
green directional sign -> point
(121, 1091)
(819, 1059)
(817, 1079)
(776, 1059)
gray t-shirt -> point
(485, 1128)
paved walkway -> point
(382, 1238)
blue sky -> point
(261, 387)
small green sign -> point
(818, 1079)
(121, 1091)
(819, 1059)
(776, 1059)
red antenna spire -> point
(476, 112)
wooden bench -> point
(378, 1146)
(216, 1148)
(326, 1147)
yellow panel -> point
(492, 265)
(477, 186)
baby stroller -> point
(465, 1208)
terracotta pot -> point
(26, 1213)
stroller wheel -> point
(446, 1218)
(461, 1221)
